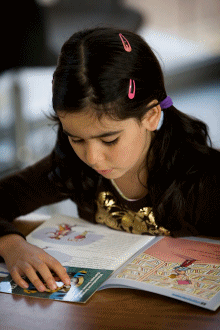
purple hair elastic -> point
(166, 103)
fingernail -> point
(42, 288)
(25, 285)
(54, 286)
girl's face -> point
(112, 148)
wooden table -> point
(108, 309)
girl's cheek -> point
(122, 155)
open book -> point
(97, 257)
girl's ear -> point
(152, 117)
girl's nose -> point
(93, 155)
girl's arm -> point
(25, 191)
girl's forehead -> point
(88, 121)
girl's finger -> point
(45, 272)
(56, 266)
(18, 279)
(30, 272)
(61, 272)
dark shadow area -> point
(35, 31)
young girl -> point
(110, 158)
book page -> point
(75, 242)
(184, 269)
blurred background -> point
(183, 33)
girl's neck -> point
(132, 186)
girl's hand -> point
(23, 258)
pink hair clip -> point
(125, 43)
(131, 88)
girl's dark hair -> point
(94, 71)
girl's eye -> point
(77, 141)
(111, 142)
(105, 142)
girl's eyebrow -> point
(94, 136)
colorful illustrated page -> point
(190, 267)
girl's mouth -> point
(104, 171)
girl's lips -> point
(104, 171)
